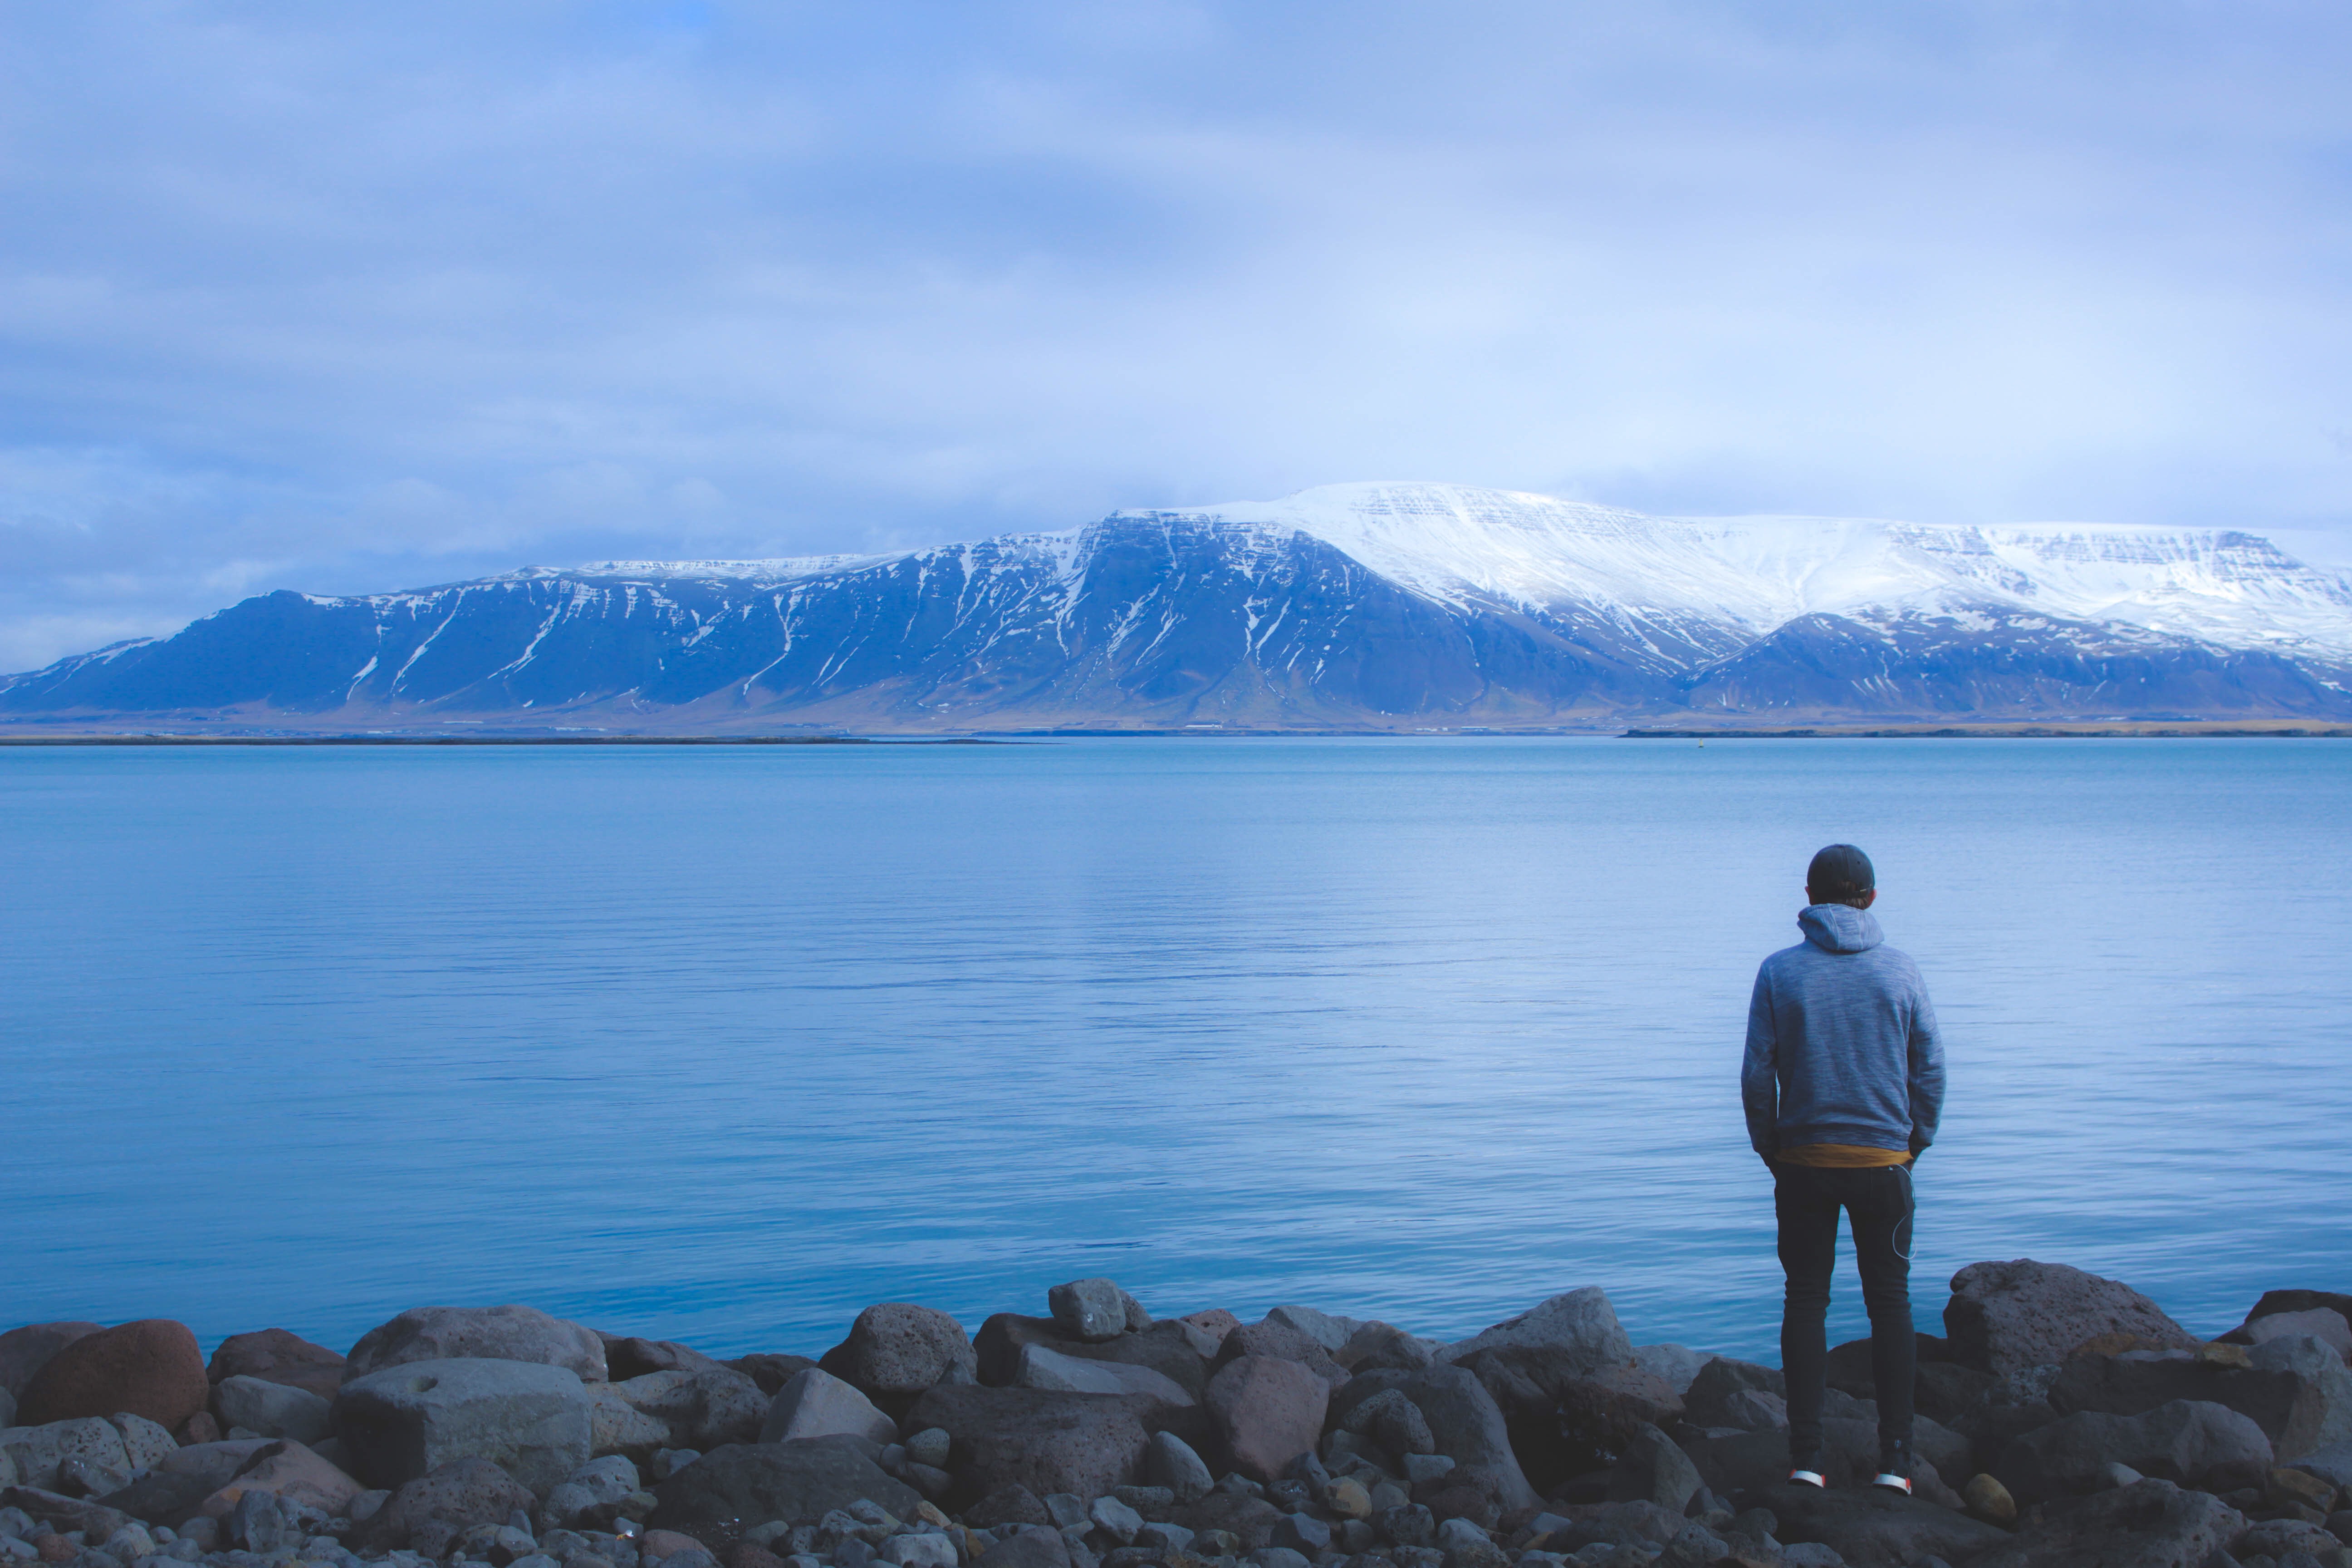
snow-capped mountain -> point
(1348, 605)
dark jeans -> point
(1877, 1200)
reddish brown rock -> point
(151, 1367)
(1266, 1411)
(275, 1355)
(56, 1548)
(24, 1351)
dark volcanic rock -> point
(2276, 1301)
(1707, 1401)
(24, 1351)
(734, 1488)
(1469, 1426)
(896, 1350)
(1250, 1519)
(2147, 1523)
(150, 1368)
(1046, 1441)
(275, 1355)
(1007, 1505)
(1875, 1529)
(996, 1349)
(1277, 1342)
(2006, 1317)
(2301, 1400)
(427, 1513)
(769, 1371)
(2205, 1446)
(627, 1356)
(1560, 1422)
(1035, 1546)
(1174, 1349)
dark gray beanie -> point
(1838, 873)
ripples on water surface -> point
(722, 1045)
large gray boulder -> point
(2149, 1522)
(495, 1334)
(2296, 1389)
(1083, 1443)
(896, 1350)
(271, 1409)
(1581, 1323)
(732, 1490)
(38, 1451)
(2006, 1317)
(529, 1419)
(1043, 1368)
(2208, 1447)
(815, 1403)
(701, 1409)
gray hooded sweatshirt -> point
(1842, 1042)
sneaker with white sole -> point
(1808, 1478)
(1892, 1482)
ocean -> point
(721, 1044)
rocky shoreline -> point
(2064, 1419)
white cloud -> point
(359, 299)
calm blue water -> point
(722, 1045)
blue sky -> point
(342, 297)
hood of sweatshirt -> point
(1840, 927)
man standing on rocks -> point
(1843, 1083)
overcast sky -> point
(345, 297)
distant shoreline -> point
(2116, 730)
